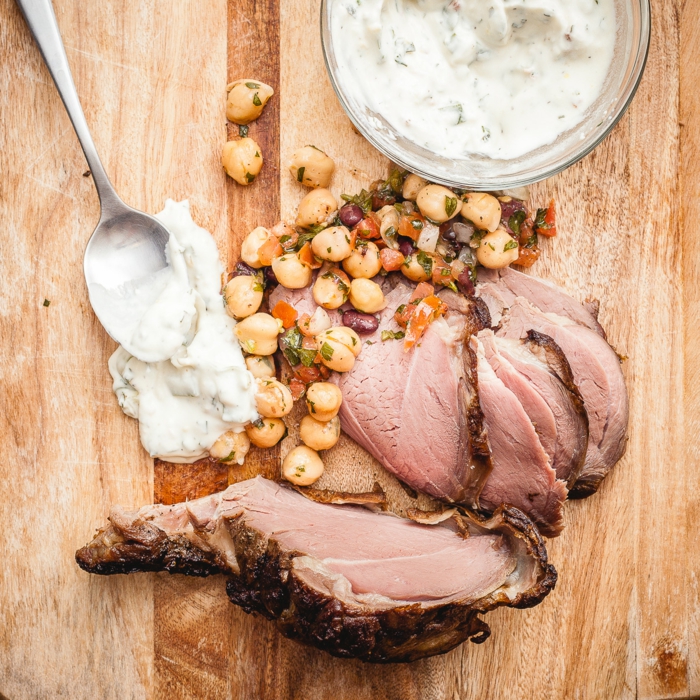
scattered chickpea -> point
(231, 447)
(251, 246)
(414, 270)
(482, 209)
(246, 100)
(345, 335)
(260, 366)
(497, 249)
(388, 219)
(317, 207)
(366, 296)
(319, 435)
(335, 355)
(412, 185)
(438, 203)
(364, 260)
(291, 272)
(330, 290)
(273, 399)
(243, 296)
(302, 466)
(332, 244)
(323, 400)
(258, 334)
(312, 167)
(266, 432)
(242, 160)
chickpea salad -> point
(342, 252)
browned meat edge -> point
(267, 585)
(556, 360)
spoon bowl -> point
(128, 246)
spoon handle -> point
(42, 23)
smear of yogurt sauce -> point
(183, 376)
(493, 77)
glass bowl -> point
(633, 20)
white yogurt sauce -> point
(493, 77)
(185, 402)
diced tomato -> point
(527, 257)
(324, 371)
(442, 273)
(307, 374)
(422, 290)
(308, 258)
(286, 313)
(411, 225)
(269, 250)
(426, 312)
(526, 232)
(297, 387)
(549, 228)
(391, 259)
(368, 227)
(403, 314)
(308, 342)
(303, 324)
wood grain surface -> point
(624, 620)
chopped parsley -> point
(300, 174)
(326, 352)
(256, 100)
(253, 86)
(47, 302)
(515, 221)
(249, 177)
(510, 245)
(426, 262)
(392, 335)
(243, 130)
(450, 205)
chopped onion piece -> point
(427, 241)
(463, 232)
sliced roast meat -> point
(418, 412)
(598, 376)
(537, 372)
(341, 578)
(522, 475)
(499, 288)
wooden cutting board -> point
(623, 620)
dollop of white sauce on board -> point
(498, 78)
(185, 402)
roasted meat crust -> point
(267, 583)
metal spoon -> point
(127, 244)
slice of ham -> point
(342, 578)
(522, 474)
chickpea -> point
(243, 296)
(412, 185)
(414, 270)
(323, 400)
(312, 167)
(482, 209)
(344, 335)
(230, 447)
(319, 435)
(438, 203)
(266, 432)
(332, 244)
(258, 334)
(246, 99)
(291, 272)
(260, 366)
(242, 160)
(316, 208)
(336, 355)
(302, 466)
(251, 246)
(364, 260)
(366, 296)
(497, 249)
(273, 399)
(331, 289)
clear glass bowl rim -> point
(495, 183)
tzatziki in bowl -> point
(487, 95)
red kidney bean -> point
(270, 276)
(242, 269)
(360, 323)
(406, 246)
(350, 215)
